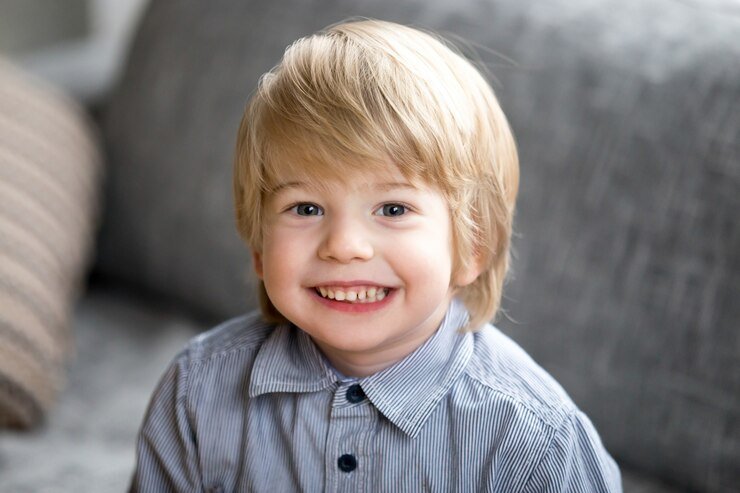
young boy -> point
(375, 179)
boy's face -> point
(365, 268)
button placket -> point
(351, 428)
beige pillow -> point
(49, 177)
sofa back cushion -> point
(627, 274)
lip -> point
(343, 306)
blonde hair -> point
(360, 93)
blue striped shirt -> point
(250, 406)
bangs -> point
(295, 153)
(298, 154)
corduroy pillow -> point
(49, 174)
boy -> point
(375, 179)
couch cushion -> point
(49, 168)
(628, 242)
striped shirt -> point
(250, 406)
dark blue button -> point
(355, 394)
(347, 463)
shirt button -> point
(355, 394)
(347, 463)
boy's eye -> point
(307, 210)
(392, 210)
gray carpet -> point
(88, 442)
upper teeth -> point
(359, 294)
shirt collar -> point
(405, 393)
(288, 361)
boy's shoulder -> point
(244, 333)
(503, 367)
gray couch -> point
(626, 280)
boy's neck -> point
(362, 365)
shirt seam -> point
(554, 411)
(546, 450)
(200, 348)
(189, 366)
(205, 358)
(550, 428)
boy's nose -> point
(344, 242)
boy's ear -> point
(468, 275)
(257, 263)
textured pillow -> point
(49, 169)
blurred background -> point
(117, 242)
(79, 45)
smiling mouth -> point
(359, 294)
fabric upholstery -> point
(628, 244)
(49, 170)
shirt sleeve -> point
(166, 453)
(576, 460)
